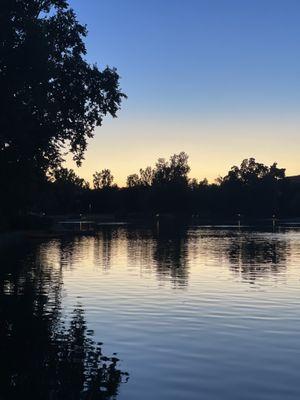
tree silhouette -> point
(65, 176)
(146, 176)
(133, 180)
(173, 171)
(103, 179)
(250, 172)
(51, 99)
(252, 189)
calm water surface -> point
(194, 313)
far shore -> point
(84, 224)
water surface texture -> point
(191, 313)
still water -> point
(139, 313)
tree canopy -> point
(102, 179)
(51, 97)
(251, 172)
(251, 190)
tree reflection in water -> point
(253, 256)
(41, 358)
(170, 254)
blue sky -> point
(220, 76)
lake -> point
(135, 313)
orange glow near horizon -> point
(213, 146)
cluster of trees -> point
(251, 189)
(51, 98)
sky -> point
(218, 79)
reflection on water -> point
(165, 250)
(257, 255)
(192, 312)
(170, 256)
(41, 358)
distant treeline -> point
(252, 190)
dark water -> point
(196, 313)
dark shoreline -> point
(14, 236)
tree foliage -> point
(65, 176)
(102, 179)
(51, 97)
(174, 171)
(251, 189)
(251, 172)
(133, 180)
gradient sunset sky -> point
(218, 79)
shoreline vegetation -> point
(249, 192)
